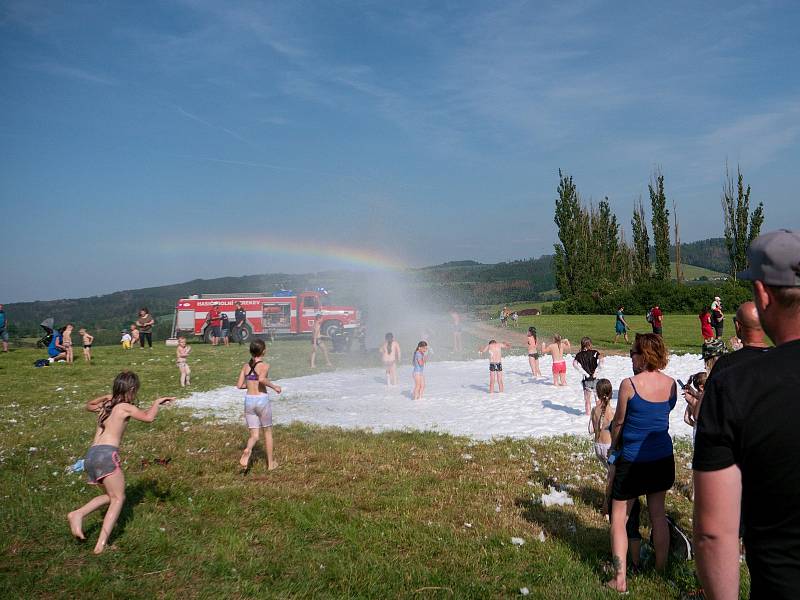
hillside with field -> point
(467, 284)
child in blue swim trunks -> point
(102, 462)
(419, 369)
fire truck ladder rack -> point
(233, 295)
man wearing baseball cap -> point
(748, 442)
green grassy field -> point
(681, 332)
(347, 513)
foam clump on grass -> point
(556, 498)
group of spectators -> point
(746, 482)
(220, 326)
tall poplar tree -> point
(737, 215)
(641, 244)
(660, 221)
(572, 237)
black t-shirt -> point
(751, 417)
(588, 359)
(735, 359)
(240, 316)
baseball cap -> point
(774, 258)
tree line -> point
(593, 259)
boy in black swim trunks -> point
(495, 350)
(88, 339)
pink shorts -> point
(559, 367)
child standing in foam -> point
(257, 409)
(182, 354)
(88, 339)
(390, 355)
(533, 352)
(102, 462)
(556, 350)
(586, 362)
(419, 369)
(495, 350)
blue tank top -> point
(645, 434)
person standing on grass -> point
(646, 465)
(747, 443)
(181, 359)
(656, 319)
(621, 325)
(316, 342)
(145, 323)
(254, 377)
(586, 362)
(706, 331)
(239, 318)
(3, 328)
(102, 462)
(214, 320)
(717, 317)
(87, 339)
(226, 323)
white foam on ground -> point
(456, 399)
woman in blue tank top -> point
(646, 465)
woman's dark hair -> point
(532, 331)
(586, 343)
(145, 310)
(389, 340)
(422, 344)
(257, 348)
(125, 387)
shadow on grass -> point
(135, 494)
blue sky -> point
(140, 140)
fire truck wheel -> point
(330, 328)
(245, 334)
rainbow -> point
(350, 255)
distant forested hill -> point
(461, 283)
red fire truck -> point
(282, 313)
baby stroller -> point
(48, 326)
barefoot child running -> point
(419, 369)
(556, 350)
(495, 350)
(257, 410)
(182, 353)
(88, 339)
(102, 463)
(533, 352)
